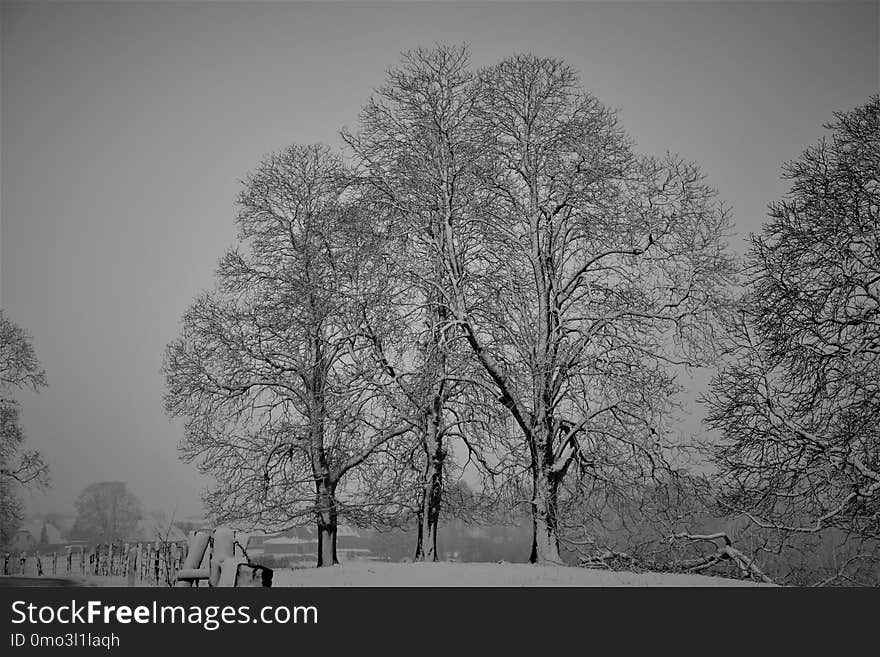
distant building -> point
(27, 539)
(23, 541)
(300, 545)
(154, 528)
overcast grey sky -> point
(126, 126)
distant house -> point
(288, 546)
(23, 541)
(155, 529)
(28, 538)
(50, 533)
(300, 544)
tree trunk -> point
(432, 493)
(326, 515)
(327, 545)
(545, 496)
(429, 520)
(533, 555)
(421, 531)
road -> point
(27, 582)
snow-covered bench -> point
(196, 565)
(212, 557)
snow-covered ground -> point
(371, 573)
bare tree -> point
(106, 512)
(19, 370)
(581, 276)
(415, 148)
(575, 273)
(798, 404)
(498, 240)
(10, 513)
(274, 372)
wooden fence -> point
(141, 564)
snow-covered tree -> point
(19, 370)
(798, 405)
(575, 274)
(582, 276)
(415, 149)
(275, 372)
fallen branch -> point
(725, 551)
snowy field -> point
(371, 573)
(482, 574)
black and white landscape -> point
(548, 293)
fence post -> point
(55, 563)
(130, 570)
(22, 560)
(39, 564)
(175, 558)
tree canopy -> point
(798, 405)
(106, 512)
(19, 370)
